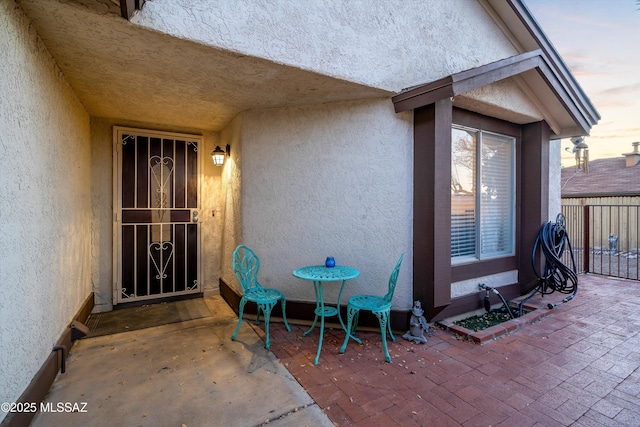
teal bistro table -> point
(318, 274)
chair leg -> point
(283, 302)
(383, 318)
(241, 311)
(354, 327)
(356, 320)
(258, 314)
(351, 313)
(389, 328)
(266, 309)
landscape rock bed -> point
(485, 335)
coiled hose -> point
(553, 240)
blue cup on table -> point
(330, 262)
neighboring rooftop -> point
(618, 176)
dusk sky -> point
(599, 41)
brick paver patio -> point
(577, 367)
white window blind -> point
(482, 195)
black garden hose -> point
(553, 240)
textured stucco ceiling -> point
(122, 71)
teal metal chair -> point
(380, 306)
(245, 266)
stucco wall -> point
(231, 199)
(504, 99)
(320, 181)
(386, 44)
(470, 286)
(45, 203)
(555, 172)
(329, 180)
(391, 45)
(211, 215)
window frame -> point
(479, 137)
(484, 267)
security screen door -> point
(156, 232)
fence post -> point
(585, 244)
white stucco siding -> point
(470, 286)
(385, 44)
(331, 180)
(45, 204)
(555, 172)
(504, 99)
(231, 195)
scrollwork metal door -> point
(156, 214)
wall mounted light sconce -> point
(219, 154)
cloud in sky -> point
(599, 41)
(623, 90)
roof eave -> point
(517, 65)
(464, 81)
(555, 61)
(541, 61)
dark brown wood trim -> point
(424, 140)
(544, 64)
(128, 7)
(42, 380)
(465, 81)
(85, 309)
(416, 97)
(491, 124)
(303, 311)
(485, 123)
(491, 73)
(229, 295)
(78, 324)
(534, 167)
(441, 209)
(498, 70)
(483, 268)
(432, 206)
(37, 389)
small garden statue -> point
(417, 325)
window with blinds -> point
(482, 195)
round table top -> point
(321, 273)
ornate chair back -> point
(245, 266)
(392, 281)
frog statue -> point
(417, 325)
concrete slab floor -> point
(184, 374)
